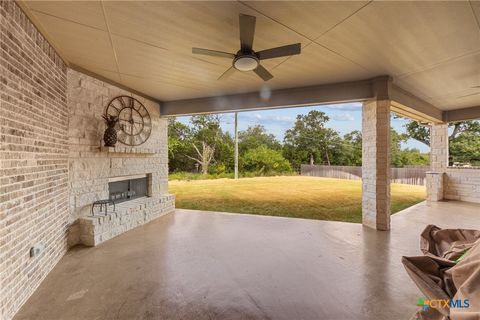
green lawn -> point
(288, 196)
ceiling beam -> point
(282, 98)
(472, 113)
(380, 88)
(409, 105)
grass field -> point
(294, 196)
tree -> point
(418, 132)
(396, 140)
(411, 157)
(179, 145)
(204, 157)
(333, 152)
(254, 137)
(224, 153)
(206, 128)
(353, 148)
(265, 161)
(398, 157)
(207, 133)
(421, 132)
(465, 149)
(464, 139)
(310, 141)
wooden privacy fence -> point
(407, 175)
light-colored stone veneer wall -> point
(89, 168)
(438, 147)
(448, 182)
(33, 158)
(438, 162)
(462, 184)
(376, 164)
(128, 215)
(434, 186)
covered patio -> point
(208, 265)
(64, 65)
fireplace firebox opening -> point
(124, 190)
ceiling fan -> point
(246, 59)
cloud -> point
(266, 118)
(342, 117)
(353, 106)
(284, 119)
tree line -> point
(203, 146)
(463, 140)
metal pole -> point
(236, 145)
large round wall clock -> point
(134, 124)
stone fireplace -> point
(136, 178)
(122, 189)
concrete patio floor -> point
(205, 265)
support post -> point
(236, 146)
(435, 190)
(376, 164)
(438, 162)
(439, 147)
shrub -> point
(265, 161)
(217, 168)
(198, 176)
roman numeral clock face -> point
(134, 124)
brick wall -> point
(90, 168)
(33, 157)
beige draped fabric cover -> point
(440, 275)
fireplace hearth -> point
(128, 189)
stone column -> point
(376, 164)
(434, 182)
(438, 162)
(438, 147)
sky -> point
(344, 118)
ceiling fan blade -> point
(227, 73)
(476, 86)
(247, 31)
(213, 53)
(263, 73)
(277, 52)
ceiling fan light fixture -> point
(246, 59)
(245, 63)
